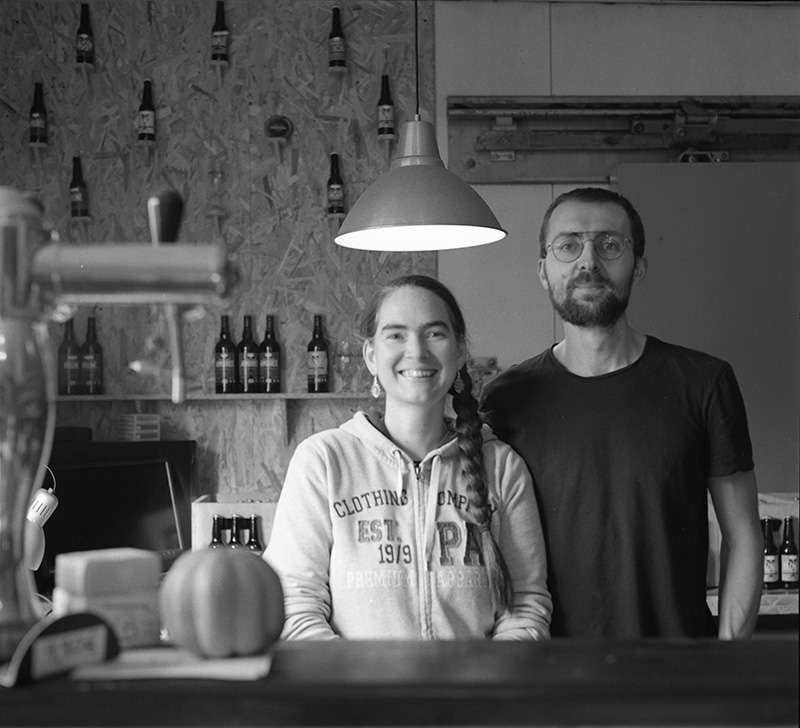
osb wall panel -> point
(274, 223)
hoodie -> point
(370, 545)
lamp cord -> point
(416, 57)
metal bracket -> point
(569, 138)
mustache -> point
(586, 276)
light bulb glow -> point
(410, 238)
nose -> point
(416, 346)
(587, 260)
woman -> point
(410, 525)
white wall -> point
(572, 48)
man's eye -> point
(611, 245)
(569, 247)
(436, 334)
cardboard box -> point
(204, 507)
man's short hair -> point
(599, 195)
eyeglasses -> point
(607, 245)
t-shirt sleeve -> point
(729, 446)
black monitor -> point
(113, 494)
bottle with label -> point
(269, 360)
(78, 194)
(69, 366)
(91, 361)
(335, 188)
(37, 124)
(385, 111)
(788, 556)
(235, 541)
(247, 353)
(317, 362)
(146, 120)
(225, 367)
(216, 541)
(84, 41)
(219, 36)
(254, 542)
(771, 562)
(336, 44)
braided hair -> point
(468, 432)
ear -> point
(640, 268)
(368, 352)
(542, 274)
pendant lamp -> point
(418, 204)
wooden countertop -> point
(560, 682)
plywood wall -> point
(274, 223)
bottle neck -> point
(219, 19)
(224, 330)
(147, 96)
(77, 173)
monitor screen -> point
(114, 494)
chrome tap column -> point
(36, 276)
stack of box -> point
(119, 584)
(139, 426)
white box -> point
(204, 507)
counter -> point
(560, 682)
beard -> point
(604, 310)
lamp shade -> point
(418, 204)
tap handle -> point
(164, 212)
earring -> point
(458, 384)
(375, 390)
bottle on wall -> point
(788, 556)
(78, 193)
(91, 361)
(225, 360)
(337, 48)
(269, 360)
(317, 362)
(247, 354)
(146, 120)
(37, 123)
(335, 188)
(84, 40)
(219, 35)
(771, 564)
(69, 367)
(216, 541)
(385, 111)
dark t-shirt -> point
(620, 464)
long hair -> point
(468, 433)
(596, 195)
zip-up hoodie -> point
(370, 545)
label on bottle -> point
(90, 374)
(336, 51)
(223, 372)
(770, 568)
(317, 363)
(84, 44)
(72, 369)
(789, 567)
(248, 371)
(269, 371)
(219, 44)
(335, 198)
(386, 120)
(37, 121)
(77, 202)
(147, 124)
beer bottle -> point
(788, 556)
(247, 352)
(317, 362)
(146, 126)
(385, 111)
(336, 44)
(219, 35)
(335, 188)
(78, 194)
(235, 541)
(225, 360)
(269, 361)
(91, 361)
(84, 41)
(771, 568)
(254, 542)
(37, 123)
(69, 367)
(216, 532)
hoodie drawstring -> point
(430, 512)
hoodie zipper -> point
(423, 576)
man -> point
(623, 434)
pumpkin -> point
(221, 603)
